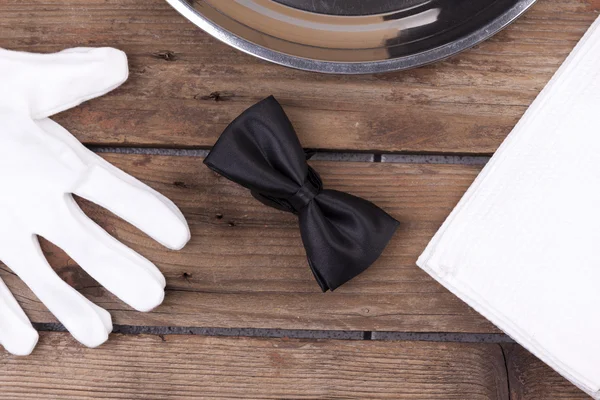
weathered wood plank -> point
(246, 267)
(194, 367)
(464, 105)
(531, 379)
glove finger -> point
(87, 322)
(16, 333)
(137, 204)
(52, 83)
(125, 273)
(125, 196)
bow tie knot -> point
(310, 189)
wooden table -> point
(243, 317)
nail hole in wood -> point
(215, 96)
(166, 55)
(180, 184)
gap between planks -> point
(298, 333)
(319, 156)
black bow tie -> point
(343, 234)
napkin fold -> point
(522, 247)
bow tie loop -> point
(310, 189)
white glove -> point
(41, 164)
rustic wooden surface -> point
(466, 104)
(183, 367)
(531, 379)
(245, 267)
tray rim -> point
(352, 68)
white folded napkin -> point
(522, 247)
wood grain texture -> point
(194, 367)
(466, 104)
(531, 379)
(246, 267)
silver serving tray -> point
(352, 36)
